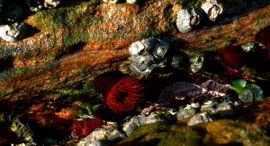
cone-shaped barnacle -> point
(139, 47)
(196, 63)
(142, 63)
(187, 19)
(111, 1)
(160, 49)
(212, 8)
(13, 32)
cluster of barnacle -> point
(190, 17)
(151, 53)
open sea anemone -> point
(85, 127)
(121, 93)
(125, 95)
(106, 81)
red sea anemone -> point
(121, 93)
(106, 81)
(125, 95)
(232, 57)
(85, 127)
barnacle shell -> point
(187, 19)
(196, 63)
(148, 54)
(160, 49)
(111, 1)
(13, 32)
(212, 8)
(132, 1)
(51, 3)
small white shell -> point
(212, 8)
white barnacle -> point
(187, 19)
(212, 8)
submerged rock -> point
(212, 8)
(13, 32)
(187, 19)
(251, 93)
(200, 118)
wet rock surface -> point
(46, 76)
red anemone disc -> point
(125, 95)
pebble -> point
(200, 118)
(251, 93)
